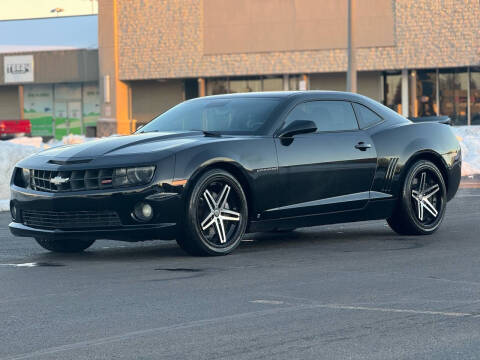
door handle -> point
(363, 146)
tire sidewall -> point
(407, 198)
(192, 212)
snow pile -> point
(74, 139)
(469, 137)
(29, 141)
(10, 154)
(16, 149)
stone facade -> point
(106, 127)
(164, 39)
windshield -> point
(223, 116)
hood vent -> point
(69, 162)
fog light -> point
(143, 212)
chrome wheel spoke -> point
(423, 179)
(222, 199)
(220, 230)
(209, 199)
(220, 217)
(415, 195)
(208, 221)
(229, 215)
(423, 196)
(420, 210)
(430, 208)
(431, 191)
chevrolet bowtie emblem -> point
(57, 180)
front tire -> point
(216, 215)
(65, 246)
(421, 208)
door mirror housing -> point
(298, 127)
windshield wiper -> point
(209, 133)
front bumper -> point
(167, 209)
(130, 233)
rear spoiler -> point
(438, 119)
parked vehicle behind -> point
(12, 128)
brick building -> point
(419, 57)
(50, 74)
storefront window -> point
(393, 91)
(38, 108)
(91, 105)
(453, 90)
(294, 81)
(245, 85)
(475, 96)
(426, 87)
(217, 86)
(273, 84)
(60, 109)
(68, 109)
(250, 84)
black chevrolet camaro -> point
(210, 169)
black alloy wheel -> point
(216, 215)
(65, 246)
(423, 203)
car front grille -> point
(72, 220)
(76, 180)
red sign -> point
(15, 127)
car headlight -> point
(26, 177)
(133, 176)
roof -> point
(285, 94)
(54, 33)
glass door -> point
(74, 117)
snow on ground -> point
(469, 137)
(16, 149)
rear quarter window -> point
(365, 116)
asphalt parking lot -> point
(354, 291)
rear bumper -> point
(130, 233)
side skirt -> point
(374, 210)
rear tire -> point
(215, 217)
(423, 201)
(65, 246)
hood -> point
(124, 145)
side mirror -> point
(298, 127)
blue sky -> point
(22, 9)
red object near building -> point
(12, 127)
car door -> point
(326, 171)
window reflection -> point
(426, 88)
(248, 84)
(245, 85)
(453, 88)
(393, 91)
(273, 84)
(475, 96)
(217, 86)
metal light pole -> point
(352, 63)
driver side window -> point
(327, 115)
